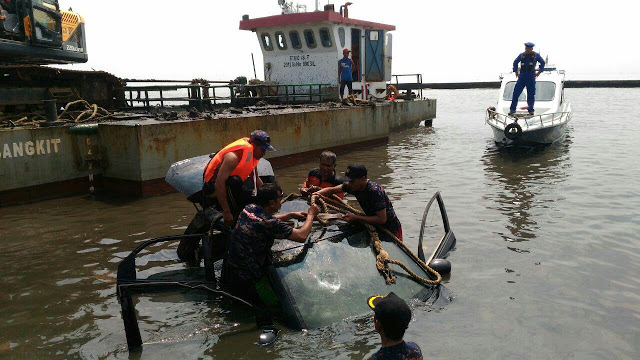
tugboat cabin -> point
(304, 48)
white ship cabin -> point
(304, 48)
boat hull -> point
(542, 136)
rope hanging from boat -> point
(382, 256)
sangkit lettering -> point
(30, 148)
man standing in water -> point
(345, 72)
(244, 268)
(391, 317)
(372, 199)
(526, 76)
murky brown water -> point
(546, 264)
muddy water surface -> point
(546, 264)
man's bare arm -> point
(229, 163)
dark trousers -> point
(528, 81)
(246, 290)
(237, 197)
(342, 85)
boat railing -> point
(409, 86)
(539, 121)
(204, 95)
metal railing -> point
(543, 120)
(199, 96)
(408, 86)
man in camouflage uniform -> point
(243, 271)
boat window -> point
(266, 42)
(545, 91)
(310, 38)
(281, 41)
(325, 37)
(341, 35)
(295, 40)
(342, 272)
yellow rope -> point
(382, 256)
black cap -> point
(355, 171)
(269, 191)
(393, 313)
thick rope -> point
(382, 256)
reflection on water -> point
(529, 181)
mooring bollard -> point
(50, 110)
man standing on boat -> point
(372, 199)
(345, 72)
(323, 176)
(526, 76)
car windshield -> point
(545, 91)
(332, 280)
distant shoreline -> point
(496, 84)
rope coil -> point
(382, 256)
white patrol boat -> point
(552, 112)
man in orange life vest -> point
(323, 176)
(229, 168)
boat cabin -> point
(304, 48)
(549, 92)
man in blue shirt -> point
(345, 72)
(526, 76)
(391, 317)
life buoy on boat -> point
(392, 92)
(513, 131)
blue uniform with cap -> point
(526, 78)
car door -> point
(436, 237)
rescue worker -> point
(244, 267)
(372, 199)
(345, 72)
(323, 176)
(526, 76)
(225, 173)
(391, 317)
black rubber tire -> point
(513, 135)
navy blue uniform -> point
(373, 199)
(402, 351)
(250, 242)
(526, 78)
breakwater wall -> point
(568, 84)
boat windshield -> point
(545, 91)
(332, 280)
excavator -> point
(34, 33)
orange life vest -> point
(244, 168)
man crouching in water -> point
(244, 268)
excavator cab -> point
(38, 32)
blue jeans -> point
(528, 81)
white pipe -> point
(317, 1)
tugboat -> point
(546, 126)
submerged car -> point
(318, 283)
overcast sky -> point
(446, 41)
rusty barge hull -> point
(132, 157)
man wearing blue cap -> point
(526, 76)
(229, 168)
